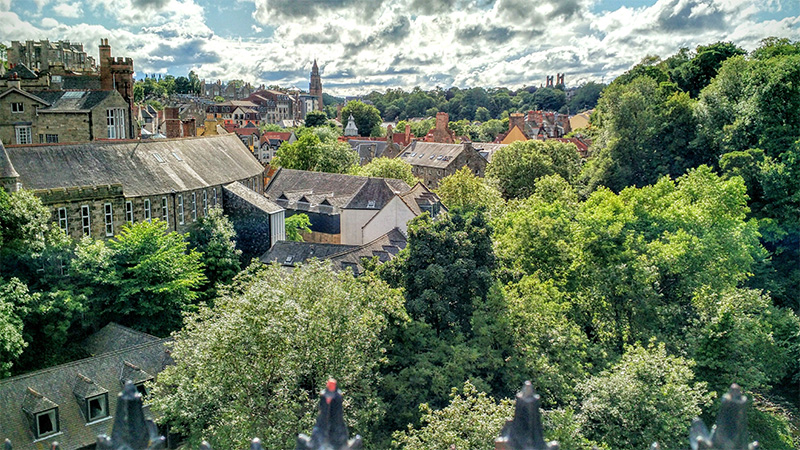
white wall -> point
(352, 221)
(396, 214)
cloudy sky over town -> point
(363, 45)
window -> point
(115, 121)
(205, 203)
(147, 216)
(97, 407)
(215, 196)
(86, 220)
(129, 211)
(47, 423)
(164, 210)
(17, 107)
(180, 208)
(140, 387)
(62, 220)
(194, 206)
(109, 214)
(159, 158)
(51, 138)
(23, 134)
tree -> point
(464, 190)
(296, 224)
(13, 298)
(696, 73)
(367, 117)
(316, 119)
(585, 97)
(213, 237)
(648, 391)
(310, 152)
(387, 168)
(145, 279)
(253, 364)
(517, 166)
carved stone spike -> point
(730, 430)
(205, 445)
(131, 430)
(255, 444)
(525, 431)
(7, 445)
(54, 446)
(330, 431)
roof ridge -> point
(363, 246)
(79, 361)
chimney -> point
(13, 81)
(106, 81)
(407, 139)
(516, 120)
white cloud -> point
(49, 22)
(68, 9)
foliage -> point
(387, 168)
(367, 117)
(517, 166)
(649, 391)
(213, 237)
(296, 224)
(585, 97)
(466, 191)
(696, 72)
(471, 420)
(316, 119)
(253, 365)
(310, 152)
(145, 279)
(13, 297)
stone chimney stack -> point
(106, 82)
(516, 120)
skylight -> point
(177, 156)
(73, 94)
(159, 158)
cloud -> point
(49, 22)
(72, 10)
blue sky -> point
(363, 45)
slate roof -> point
(188, 163)
(288, 187)
(431, 154)
(22, 71)
(486, 149)
(343, 257)
(113, 337)
(64, 101)
(420, 199)
(6, 168)
(367, 149)
(66, 386)
(254, 198)
(81, 82)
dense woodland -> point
(631, 288)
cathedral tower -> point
(315, 86)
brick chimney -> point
(516, 120)
(172, 123)
(441, 133)
(106, 83)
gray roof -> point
(343, 257)
(431, 154)
(63, 101)
(254, 198)
(113, 337)
(367, 149)
(420, 199)
(66, 386)
(188, 163)
(288, 187)
(83, 82)
(487, 150)
(6, 168)
(22, 71)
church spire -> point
(315, 85)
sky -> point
(365, 45)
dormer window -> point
(91, 397)
(141, 389)
(46, 423)
(97, 407)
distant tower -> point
(315, 86)
(351, 129)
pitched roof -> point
(487, 149)
(61, 101)
(431, 154)
(81, 82)
(22, 71)
(420, 199)
(291, 253)
(252, 197)
(114, 337)
(6, 168)
(289, 186)
(149, 167)
(64, 386)
(24, 93)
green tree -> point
(696, 73)
(585, 97)
(316, 119)
(387, 168)
(367, 117)
(213, 237)
(517, 166)
(296, 224)
(464, 190)
(253, 365)
(649, 391)
(13, 297)
(309, 152)
(145, 279)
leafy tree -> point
(482, 114)
(316, 119)
(309, 152)
(696, 73)
(549, 99)
(387, 168)
(183, 85)
(266, 127)
(13, 297)
(213, 236)
(253, 365)
(296, 224)
(585, 97)
(367, 117)
(145, 279)
(138, 92)
(517, 166)
(648, 391)
(471, 420)
(463, 190)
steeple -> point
(315, 85)
(9, 178)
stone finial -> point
(7, 445)
(525, 431)
(131, 430)
(205, 445)
(54, 446)
(730, 431)
(330, 431)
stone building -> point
(431, 161)
(44, 55)
(94, 188)
(315, 86)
